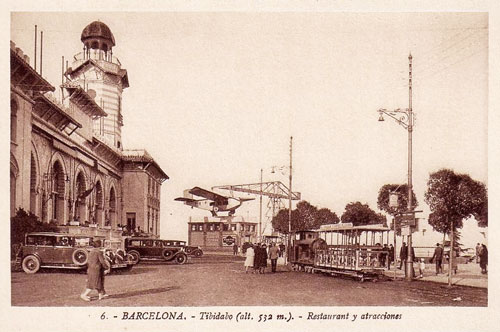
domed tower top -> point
(97, 35)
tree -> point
(325, 216)
(452, 199)
(361, 214)
(402, 191)
(305, 216)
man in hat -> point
(438, 255)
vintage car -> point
(59, 250)
(114, 251)
(194, 251)
(141, 248)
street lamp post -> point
(404, 117)
(290, 201)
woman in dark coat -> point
(258, 257)
(263, 259)
(97, 267)
(483, 259)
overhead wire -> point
(441, 55)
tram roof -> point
(351, 227)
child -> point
(421, 267)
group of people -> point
(257, 255)
(386, 257)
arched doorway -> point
(58, 189)
(99, 204)
(112, 208)
(12, 193)
(14, 171)
(81, 199)
(33, 185)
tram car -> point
(341, 250)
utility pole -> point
(290, 191)
(409, 267)
(290, 200)
(260, 208)
(405, 119)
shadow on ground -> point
(143, 292)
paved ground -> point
(467, 275)
(221, 281)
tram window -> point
(193, 227)
(233, 227)
(225, 227)
(200, 228)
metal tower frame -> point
(276, 191)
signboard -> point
(405, 230)
(393, 200)
(408, 220)
(228, 241)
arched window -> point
(13, 120)
(33, 183)
(58, 193)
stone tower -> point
(99, 72)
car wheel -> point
(198, 253)
(181, 259)
(80, 257)
(167, 254)
(108, 254)
(120, 254)
(134, 256)
(31, 264)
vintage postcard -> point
(302, 166)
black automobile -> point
(64, 251)
(194, 251)
(140, 248)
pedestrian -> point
(282, 249)
(384, 255)
(235, 249)
(258, 257)
(97, 267)
(263, 259)
(421, 268)
(250, 257)
(273, 255)
(438, 256)
(478, 252)
(403, 254)
(483, 259)
(454, 262)
(390, 258)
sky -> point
(214, 97)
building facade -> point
(221, 233)
(67, 161)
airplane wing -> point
(184, 199)
(244, 199)
(208, 195)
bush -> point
(26, 222)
